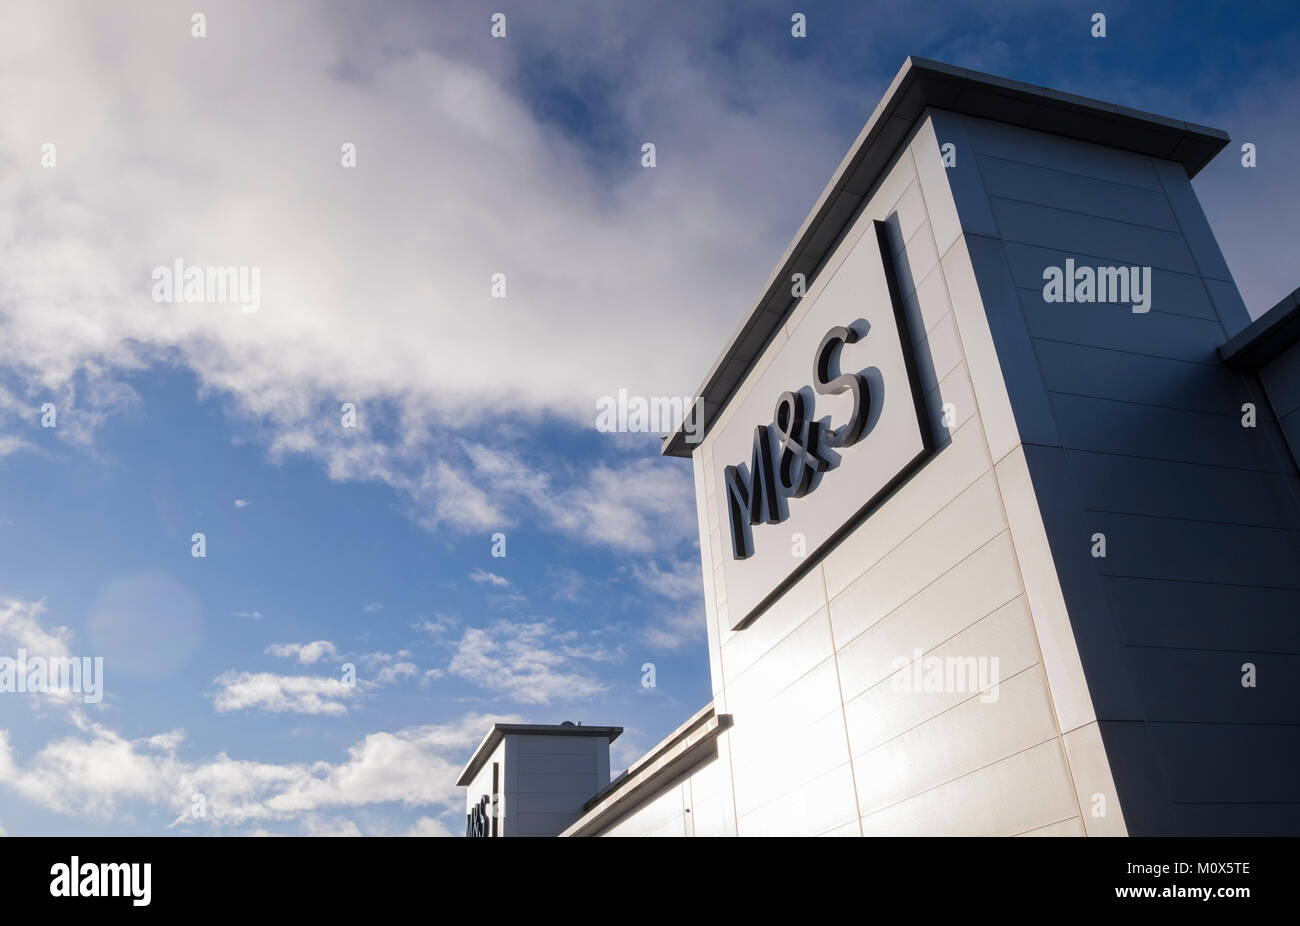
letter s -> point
(845, 382)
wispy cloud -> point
(437, 626)
(529, 663)
(21, 626)
(483, 577)
(306, 653)
(278, 694)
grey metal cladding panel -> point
(1191, 220)
(1246, 763)
(1143, 770)
(581, 783)
(1202, 615)
(562, 764)
(1160, 488)
(1059, 189)
(1090, 239)
(1096, 633)
(558, 745)
(1171, 292)
(1281, 378)
(1228, 304)
(1253, 391)
(1107, 426)
(1198, 551)
(1140, 779)
(964, 177)
(1045, 150)
(570, 803)
(1237, 820)
(1110, 374)
(1291, 432)
(1112, 326)
(1198, 686)
(1011, 340)
(542, 824)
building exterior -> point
(998, 502)
(528, 779)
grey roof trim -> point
(680, 751)
(499, 732)
(1265, 337)
(919, 84)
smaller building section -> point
(1270, 346)
(528, 779)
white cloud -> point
(248, 615)
(20, 628)
(428, 826)
(298, 694)
(95, 773)
(525, 662)
(637, 506)
(483, 577)
(306, 653)
(163, 742)
(242, 503)
(596, 653)
(679, 620)
(315, 825)
(673, 629)
(681, 581)
(438, 625)
(568, 584)
(10, 444)
(391, 675)
(346, 311)
(373, 661)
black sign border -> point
(928, 442)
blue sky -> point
(372, 545)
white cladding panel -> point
(697, 804)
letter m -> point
(1112, 284)
(751, 503)
(120, 875)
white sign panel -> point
(830, 428)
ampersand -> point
(798, 441)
